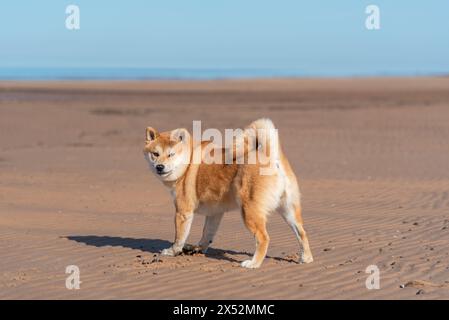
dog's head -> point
(168, 153)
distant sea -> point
(182, 74)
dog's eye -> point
(155, 154)
(171, 154)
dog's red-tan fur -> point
(213, 189)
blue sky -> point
(317, 37)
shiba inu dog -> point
(201, 187)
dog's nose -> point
(160, 168)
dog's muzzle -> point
(160, 169)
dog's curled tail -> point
(267, 138)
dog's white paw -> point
(168, 252)
(250, 264)
(306, 259)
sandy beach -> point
(372, 157)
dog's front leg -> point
(210, 229)
(183, 221)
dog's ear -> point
(151, 134)
(180, 135)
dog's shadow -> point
(154, 246)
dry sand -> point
(372, 156)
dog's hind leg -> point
(210, 229)
(255, 221)
(292, 215)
